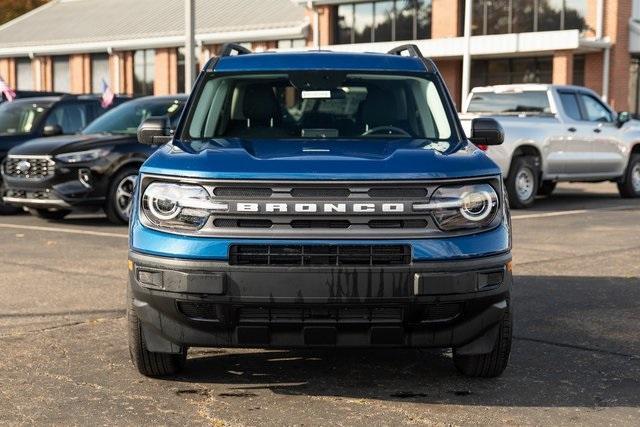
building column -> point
(80, 73)
(42, 74)
(448, 22)
(451, 70)
(593, 63)
(164, 72)
(563, 67)
(8, 71)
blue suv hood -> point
(296, 159)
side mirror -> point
(623, 117)
(486, 131)
(52, 130)
(154, 131)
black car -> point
(96, 168)
(45, 116)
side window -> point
(596, 111)
(71, 117)
(570, 105)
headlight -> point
(463, 207)
(179, 207)
(83, 156)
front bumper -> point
(424, 304)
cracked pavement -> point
(575, 358)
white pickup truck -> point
(557, 133)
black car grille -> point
(320, 255)
(31, 168)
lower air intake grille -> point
(327, 255)
(198, 310)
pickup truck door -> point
(574, 154)
(607, 149)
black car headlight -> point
(462, 207)
(177, 206)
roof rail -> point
(414, 51)
(411, 48)
(228, 48)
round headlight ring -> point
(471, 200)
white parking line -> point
(65, 230)
(546, 214)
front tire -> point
(120, 196)
(149, 363)
(630, 187)
(492, 364)
(52, 215)
(522, 182)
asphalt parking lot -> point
(575, 359)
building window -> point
(382, 21)
(519, 16)
(291, 43)
(24, 74)
(578, 70)
(60, 70)
(99, 71)
(180, 61)
(144, 65)
(486, 72)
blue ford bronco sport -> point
(320, 199)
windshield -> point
(509, 102)
(20, 118)
(319, 105)
(126, 118)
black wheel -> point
(55, 215)
(149, 363)
(491, 364)
(522, 182)
(630, 187)
(6, 209)
(547, 187)
(120, 196)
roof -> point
(319, 60)
(67, 26)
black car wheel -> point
(49, 214)
(120, 197)
(522, 182)
(630, 187)
(491, 364)
(149, 363)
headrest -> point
(380, 108)
(259, 105)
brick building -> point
(71, 45)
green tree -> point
(11, 9)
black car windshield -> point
(318, 105)
(21, 117)
(126, 118)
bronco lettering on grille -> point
(320, 208)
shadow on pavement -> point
(577, 344)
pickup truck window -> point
(570, 105)
(319, 105)
(596, 111)
(528, 101)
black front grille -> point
(198, 310)
(302, 314)
(32, 168)
(243, 192)
(320, 255)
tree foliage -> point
(11, 9)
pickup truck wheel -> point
(149, 363)
(522, 182)
(120, 197)
(630, 187)
(55, 215)
(546, 188)
(491, 364)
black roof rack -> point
(228, 48)
(414, 51)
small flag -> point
(107, 95)
(6, 90)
